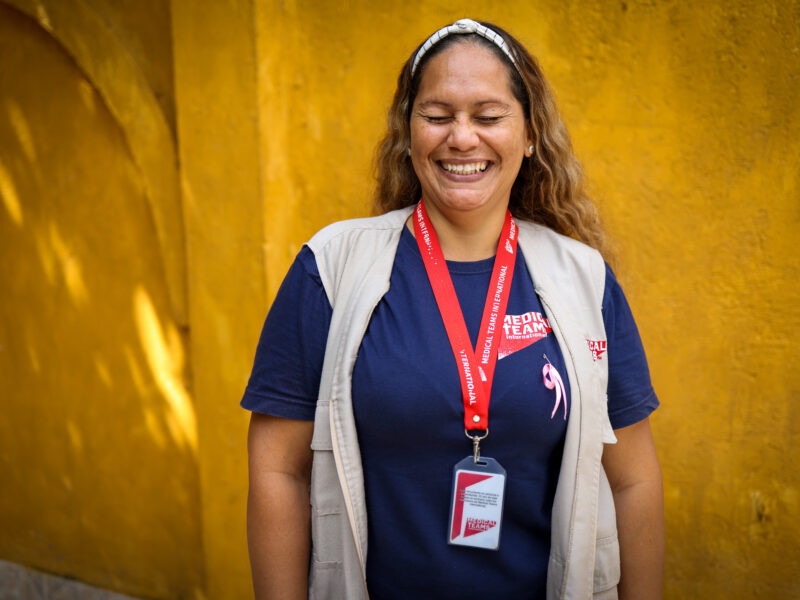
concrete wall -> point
(161, 163)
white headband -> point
(464, 26)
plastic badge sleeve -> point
(476, 505)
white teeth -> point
(469, 169)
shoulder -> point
(345, 251)
(548, 240)
(340, 233)
(564, 260)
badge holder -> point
(476, 505)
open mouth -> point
(465, 169)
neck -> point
(465, 236)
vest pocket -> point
(328, 536)
(325, 581)
(606, 567)
(606, 561)
(327, 509)
(330, 530)
(326, 495)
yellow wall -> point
(218, 128)
(132, 306)
(98, 444)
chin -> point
(465, 203)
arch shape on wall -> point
(113, 72)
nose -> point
(463, 136)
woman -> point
(394, 336)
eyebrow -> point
(444, 104)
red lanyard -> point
(472, 365)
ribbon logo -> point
(553, 381)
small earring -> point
(530, 150)
(408, 150)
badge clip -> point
(476, 444)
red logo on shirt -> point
(520, 331)
(598, 348)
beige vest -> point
(355, 260)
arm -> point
(635, 477)
(278, 513)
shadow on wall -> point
(98, 439)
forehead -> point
(465, 70)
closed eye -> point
(432, 119)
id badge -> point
(476, 507)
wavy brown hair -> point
(549, 187)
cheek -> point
(516, 144)
(420, 138)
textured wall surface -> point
(687, 120)
(120, 431)
(97, 437)
(218, 126)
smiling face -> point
(468, 132)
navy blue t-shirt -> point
(409, 417)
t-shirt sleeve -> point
(631, 397)
(286, 371)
